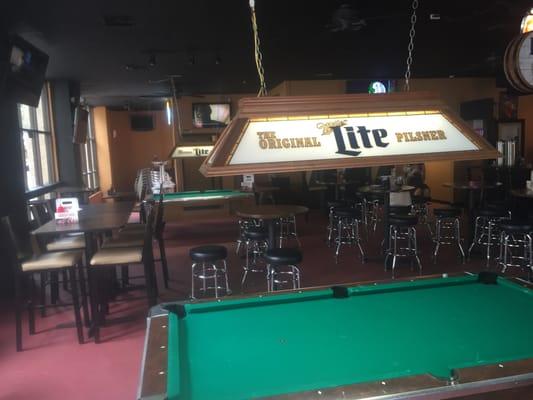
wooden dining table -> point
(270, 214)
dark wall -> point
(67, 152)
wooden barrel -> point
(518, 63)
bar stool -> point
(516, 247)
(256, 243)
(374, 207)
(347, 229)
(288, 230)
(358, 201)
(281, 263)
(402, 228)
(244, 223)
(205, 258)
(447, 222)
(420, 209)
(332, 222)
(486, 229)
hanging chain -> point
(411, 46)
(258, 55)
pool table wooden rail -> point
(512, 379)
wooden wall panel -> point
(133, 150)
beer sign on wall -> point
(281, 134)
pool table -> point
(193, 205)
(432, 338)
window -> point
(37, 143)
(89, 168)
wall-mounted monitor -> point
(210, 115)
(142, 122)
(26, 72)
(81, 125)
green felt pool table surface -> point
(263, 346)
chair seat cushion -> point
(399, 210)
(283, 256)
(446, 212)
(516, 227)
(255, 233)
(67, 243)
(403, 220)
(347, 212)
(493, 212)
(208, 253)
(58, 259)
(119, 255)
(124, 241)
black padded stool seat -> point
(285, 256)
(421, 199)
(208, 253)
(347, 212)
(255, 233)
(447, 212)
(399, 210)
(337, 204)
(516, 227)
(403, 220)
(379, 197)
(493, 212)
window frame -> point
(89, 157)
(34, 133)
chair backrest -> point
(148, 252)
(400, 199)
(40, 211)
(159, 225)
(10, 240)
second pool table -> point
(194, 205)
(431, 338)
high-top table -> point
(270, 214)
(93, 219)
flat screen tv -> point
(210, 115)
(26, 72)
(142, 122)
(81, 125)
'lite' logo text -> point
(356, 139)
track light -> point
(192, 61)
(152, 61)
(218, 60)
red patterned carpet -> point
(54, 366)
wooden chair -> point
(133, 235)
(41, 212)
(26, 267)
(111, 257)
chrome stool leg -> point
(458, 237)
